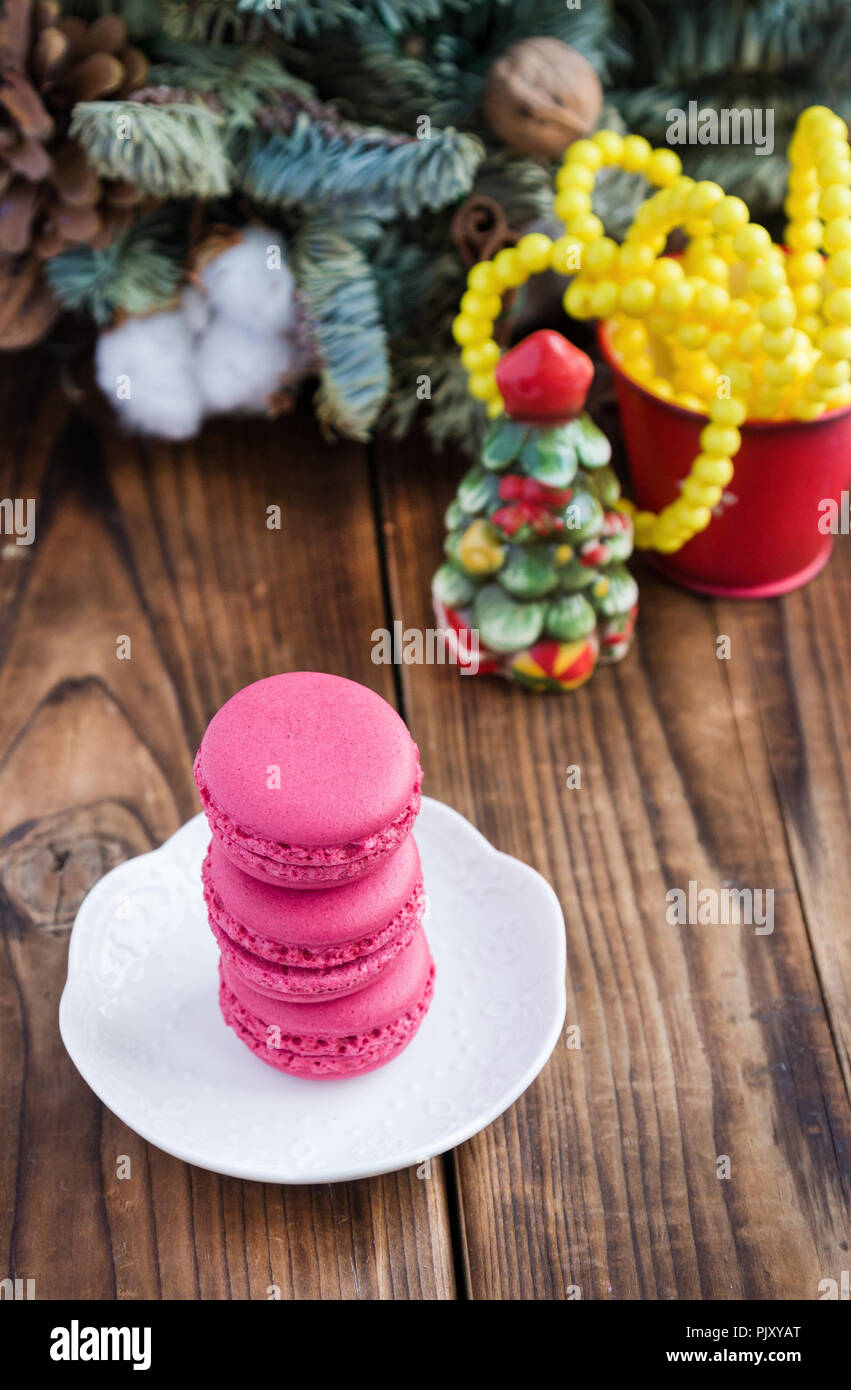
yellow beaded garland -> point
(736, 330)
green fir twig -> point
(175, 150)
(318, 164)
(338, 288)
(138, 272)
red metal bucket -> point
(764, 538)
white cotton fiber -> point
(146, 367)
(239, 370)
(226, 347)
(196, 309)
(251, 283)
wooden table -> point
(697, 1042)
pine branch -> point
(487, 27)
(374, 75)
(439, 68)
(319, 164)
(450, 415)
(522, 187)
(242, 78)
(760, 182)
(176, 150)
(310, 18)
(138, 272)
(203, 21)
(337, 285)
(671, 43)
(758, 178)
(407, 275)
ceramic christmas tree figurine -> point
(535, 548)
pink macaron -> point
(320, 945)
(337, 1037)
(308, 780)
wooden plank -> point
(170, 547)
(804, 711)
(697, 1041)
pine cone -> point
(28, 308)
(50, 198)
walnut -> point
(540, 96)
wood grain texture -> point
(169, 547)
(697, 1041)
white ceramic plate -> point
(140, 1018)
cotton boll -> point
(239, 370)
(146, 367)
(251, 283)
(196, 309)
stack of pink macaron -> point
(314, 891)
